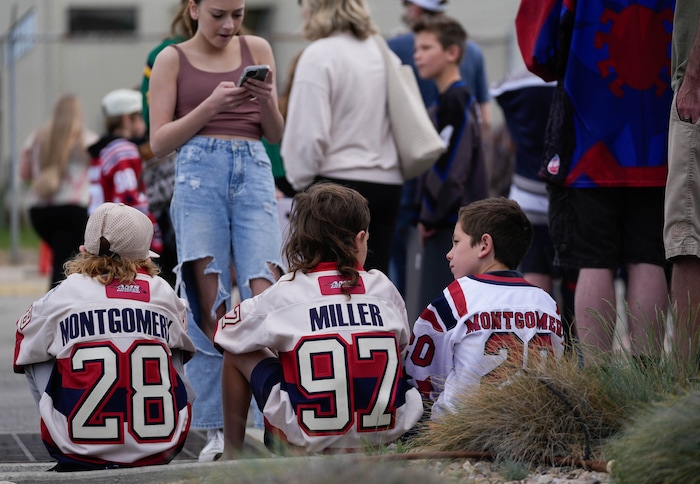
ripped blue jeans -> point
(224, 207)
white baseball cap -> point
(122, 101)
(127, 230)
(432, 5)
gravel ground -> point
(484, 472)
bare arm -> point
(266, 91)
(688, 99)
(26, 167)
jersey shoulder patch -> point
(333, 285)
(138, 290)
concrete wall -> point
(92, 66)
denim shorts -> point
(682, 207)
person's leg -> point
(594, 307)
(168, 256)
(561, 225)
(567, 287)
(207, 289)
(200, 217)
(647, 299)
(584, 227)
(682, 231)
(236, 393)
(256, 236)
(647, 284)
(67, 236)
(399, 251)
(384, 201)
(538, 264)
(42, 223)
(685, 291)
(435, 274)
(256, 233)
(543, 281)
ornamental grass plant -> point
(556, 411)
(662, 444)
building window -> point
(119, 20)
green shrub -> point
(662, 445)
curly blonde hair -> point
(107, 268)
(327, 17)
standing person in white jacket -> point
(337, 126)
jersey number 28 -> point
(143, 373)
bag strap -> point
(386, 51)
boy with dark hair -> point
(489, 321)
(459, 175)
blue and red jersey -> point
(614, 60)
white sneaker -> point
(214, 448)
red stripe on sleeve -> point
(460, 301)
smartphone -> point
(258, 72)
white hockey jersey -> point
(342, 358)
(114, 398)
(480, 327)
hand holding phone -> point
(258, 72)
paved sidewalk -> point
(184, 467)
(22, 279)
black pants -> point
(62, 227)
(384, 201)
(168, 256)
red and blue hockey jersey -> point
(342, 358)
(480, 328)
(117, 395)
(613, 60)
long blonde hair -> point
(180, 25)
(62, 135)
(330, 16)
(107, 268)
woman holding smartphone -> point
(224, 197)
(341, 77)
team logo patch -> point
(553, 165)
(232, 317)
(331, 285)
(136, 290)
(25, 319)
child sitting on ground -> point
(104, 352)
(489, 320)
(322, 349)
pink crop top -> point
(195, 85)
